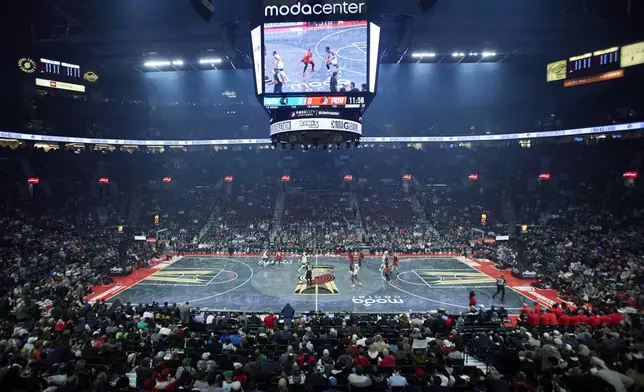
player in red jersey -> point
(360, 258)
(308, 59)
(278, 258)
(395, 267)
(351, 259)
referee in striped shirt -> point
(500, 287)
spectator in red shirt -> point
(361, 360)
(604, 318)
(615, 317)
(533, 319)
(269, 321)
(525, 309)
(387, 359)
(556, 309)
(537, 308)
(305, 360)
(594, 319)
(544, 319)
(574, 320)
(582, 318)
(564, 319)
(552, 318)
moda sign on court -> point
(294, 10)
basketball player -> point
(351, 259)
(309, 274)
(395, 267)
(360, 258)
(305, 262)
(278, 64)
(353, 271)
(264, 260)
(331, 60)
(386, 271)
(308, 59)
(278, 258)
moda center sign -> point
(295, 10)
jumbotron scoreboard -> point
(596, 66)
(315, 69)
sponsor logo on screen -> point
(60, 85)
(632, 55)
(313, 124)
(297, 9)
(345, 125)
(90, 76)
(27, 65)
(556, 71)
(329, 113)
(284, 126)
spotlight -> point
(177, 62)
(423, 54)
(161, 63)
(210, 60)
(488, 54)
(455, 54)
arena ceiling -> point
(123, 31)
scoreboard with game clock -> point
(55, 74)
(313, 101)
(315, 69)
(596, 66)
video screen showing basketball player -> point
(309, 53)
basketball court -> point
(348, 39)
(241, 284)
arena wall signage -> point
(90, 76)
(27, 65)
(629, 127)
(297, 10)
(311, 124)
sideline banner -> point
(629, 127)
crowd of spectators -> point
(67, 233)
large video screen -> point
(316, 57)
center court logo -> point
(344, 8)
(376, 299)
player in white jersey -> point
(277, 61)
(353, 271)
(264, 260)
(278, 68)
(305, 262)
(332, 60)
